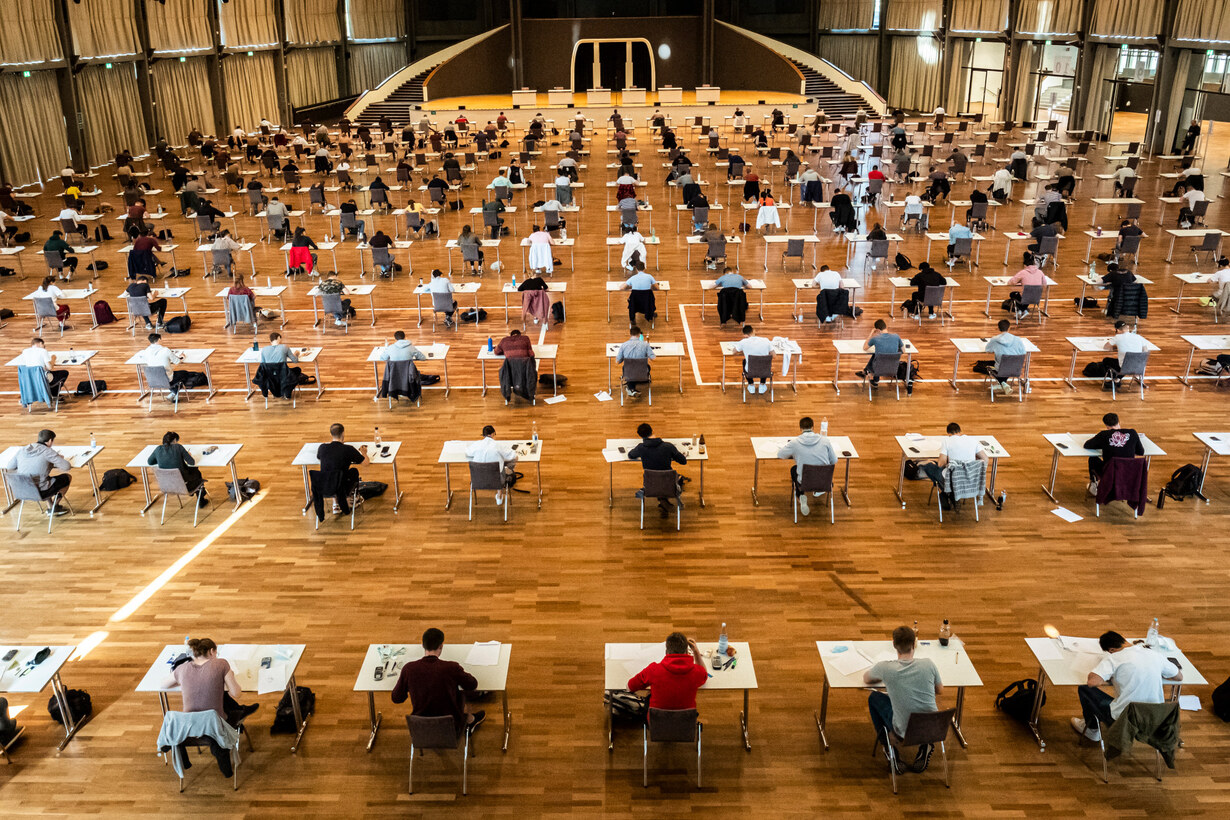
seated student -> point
(140, 289)
(1121, 175)
(913, 211)
(1124, 341)
(732, 304)
(955, 232)
(902, 162)
(880, 342)
(515, 345)
(808, 447)
(469, 239)
(939, 185)
(1190, 177)
(436, 688)
(753, 345)
(635, 348)
(36, 460)
(1041, 229)
(673, 681)
(1114, 442)
(205, 681)
(926, 277)
(496, 207)
(401, 350)
(1221, 280)
(958, 447)
(975, 196)
(1127, 228)
(441, 284)
(1138, 674)
(827, 279)
(171, 455)
(56, 242)
(911, 685)
(36, 355)
(488, 451)
(156, 355)
(338, 457)
(1001, 185)
(641, 299)
(277, 352)
(1005, 344)
(1190, 197)
(877, 232)
(656, 454)
(332, 285)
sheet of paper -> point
(915, 436)
(1089, 646)
(1067, 515)
(1189, 703)
(484, 654)
(555, 400)
(237, 653)
(622, 651)
(1048, 651)
(633, 667)
(271, 680)
(847, 663)
(602, 396)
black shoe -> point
(861, 374)
(923, 757)
(201, 504)
(894, 761)
(243, 712)
(479, 717)
(909, 389)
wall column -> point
(518, 48)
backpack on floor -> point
(1017, 699)
(21, 236)
(468, 316)
(557, 312)
(626, 707)
(1094, 370)
(1209, 367)
(902, 262)
(248, 487)
(194, 379)
(284, 718)
(101, 234)
(84, 389)
(907, 376)
(1088, 303)
(178, 324)
(97, 266)
(371, 489)
(79, 706)
(102, 313)
(551, 380)
(1183, 482)
(116, 479)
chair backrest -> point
(1211, 241)
(661, 484)
(1048, 245)
(316, 196)
(491, 219)
(204, 223)
(221, 256)
(551, 218)
(414, 220)
(817, 478)
(879, 249)
(156, 377)
(700, 213)
(760, 367)
(44, 308)
(433, 732)
(332, 303)
(343, 177)
(672, 725)
(717, 248)
(963, 246)
(1134, 363)
(1031, 295)
(170, 482)
(68, 226)
(443, 301)
(1129, 244)
(875, 186)
(348, 221)
(379, 196)
(469, 253)
(240, 310)
(794, 247)
(1010, 366)
(1200, 207)
(885, 364)
(276, 222)
(636, 370)
(23, 487)
(978, 210)
(1133, 210)
(1129, 185)
(927, 727)
(54, 259)
(933, 295)
(382, 257)
(486, 475)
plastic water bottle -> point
(376, 438)
(534, 432)
(514, 282)
(490, 345)
(824, 426)
(94, 446)
(1152, 636)
(719, 657)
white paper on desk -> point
(236, 653)
(915, 436)
(1048, 651)
(847, 663)
(1067, 515)
(623, 652)
(484, 654)
(555, 400)
(602, 396)
(271, 680)
(1088, 646)
(1189, 703)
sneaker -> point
(499, 497)
(951, 262)
(1092, 489)
(59, 511)
(803, 508)
(909, 388)
(337, 322)
(923, 757)
(932, 317)
(862, 374)
(337, 509)
(1078, 726)
(633, 393)
(764, 388)
(1007, 388)
(479, 717)
(241, 713)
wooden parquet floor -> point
(559, 582)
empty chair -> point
(883, 366)
(794, 250)
(1210, 245)
(25, 488)
(1133, 366)
(662, 485)
(487, 476)
(923, 728)
(671, 726)
(171, 483)
(817, 478)
(438, 733)
(757, 367)
(1010, 367)
(634, 374)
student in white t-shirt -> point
(753, 345)
(1137, 673)
(956, 448)
(1221, 282)
(1124, 341)
(827, 279)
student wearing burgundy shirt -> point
(435, 687)
(672, 682)
(515, 346)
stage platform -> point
(504, 102)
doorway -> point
(986, 78)
(613, 64)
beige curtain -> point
(857, 55)
(978, 15)
(376, 19)
(1095, 99)
(178, 25)
(250, 90)
(29, 33)
(1174, 124)
(182, 100)
(33, 135)
(111, 108)
(914, 82)
(370, 65)
(958, 77)
(1048, 16)
(247, 23)
(915, 15)
(1026, 81)
(1202, 20)
(1127, 18)
(102, 28)
(312, 21)
(311, 76)
(847, 14)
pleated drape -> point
(915, 81)
(847, 14)
(29, 33)
(311, 75)
(247, 23)
(978, 15)
(182, 100)
(1048, 16)
(312, 21)
(111, 107)
(103, 28)
(857, 55)
(376, 19)
(371, 64)
(33, 134)
(1127, 18)
(914, 15)
(250, 90)
(178, 25)
(1202, 20)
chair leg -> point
(645, 756)
(51, 512)
(19, 512)
(196, 511)
(471, 502)
(465, 765)
(163, 520)
(642, 511)
(944, 756)
(699, 727)
(411, 781)
(832, 517)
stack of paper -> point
(484, 654)
(848, 663)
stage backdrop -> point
(674, 42)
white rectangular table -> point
(978, 345)
(1194, 234)
(733, 239)
(1214, 444)
(708, 94)
(244, 247)
(306, 459)
(1202, 343)
(526, 96)
(647, 208)
(1067, 661)
(542, 353)
(197, 356)
(72, 295)
(650, 242)
(1194, 278)
(351, 290)
(454, 452)
(662, 350)
(307, 355)
(1095, 281)
(223, 455)
(715, 207)
(1100, 235)
(783, 238)
(70, 358)
(791, 349)
(398, 245)
(570, 243)
(902, 282)
(952, 661)
(851, 285)
(1017, 236)
(664, 288)
(927, 448)
(625, 660)
(617, 450)
(162, 293)
(560, 288)
(78, 456)
(434, 352)
(764, 448)
(1100, 201)
(1067, 445)
(977, 240)
(246, 662)
(1094, 344)
(383, 663)
(21, 676)
(854, 347)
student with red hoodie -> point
(672, 682)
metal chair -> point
(671, 726)
(414, 223)
(980, 485)
(24, 488)
(348, 223)
(635, 371)
(716, 250)
(794, 250)
(274, 224)
(444, 303)
(662, 484)
(922, 728)
(256, 200)
(1133, 366)
(241, 310)
(1128, 245)
(1133, 211)
(1200, 210)
(493, 222)
(138, 308)
(439, 733)
(1105, 495)
(700, 215)
(221, 261)
(34, 387)
(883, 366)
(45, 308)
(1009, 367)
(1210, 245)
(487, 475)
(978, 215)
(55, 261)
(551, 221)
(758, 367)
(963, 251)
(817, 478)
(316, 197)
(933, 299)
(157, 380)
(379, 197)
(1048, 251)
(400, 372)
(382, 261)
(877, 252)
(1168, 707)
(171, 483)
(331, 303)
(205, 226)
(1127, 188)
(1031, 297)
(199, 743)
(629, 217)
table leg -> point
(482, 363)
(315, 316)
(836, 373)
(375, 718)
(300, 719)
(1033, 713)
(610, 728)
(98, 500)
(1170, 252)
(320, 387)
(418, 304)
(900, 491)
(823, 716)
(1204, 469)
(70, 724)
(149, 499)
(956, 718)
(743, 719)
(507, 719)
(987, 311)
(506, 310)
(1088, 250)
(1188, 372)
(1072, 370)
(209, 382)
(723, 373)
(448, 487)
(446, 382)
(990, 487)
(282, 307)
(762, 303)
(956, 363)
(701, 494)
(845, 489)
(371, 303)
(89, 374)
(611, 475)
(680, 374)
(1046, 301)
(1178, 301)
(1050, 489)
(235, 482)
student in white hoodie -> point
(808, 447)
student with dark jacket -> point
(1113, 442)
(656, 454)
(926, 277)
(171, 455)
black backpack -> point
(284, 719)
(79, 706)
(1183, 482)
(178, 324)
(468, 316)
(902, 262)
(626, 707)
(1221, 701)
(1017, 699)
(371, 489)
(1094, 370)
(84, 389)
(248, 486)
(116, 479)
